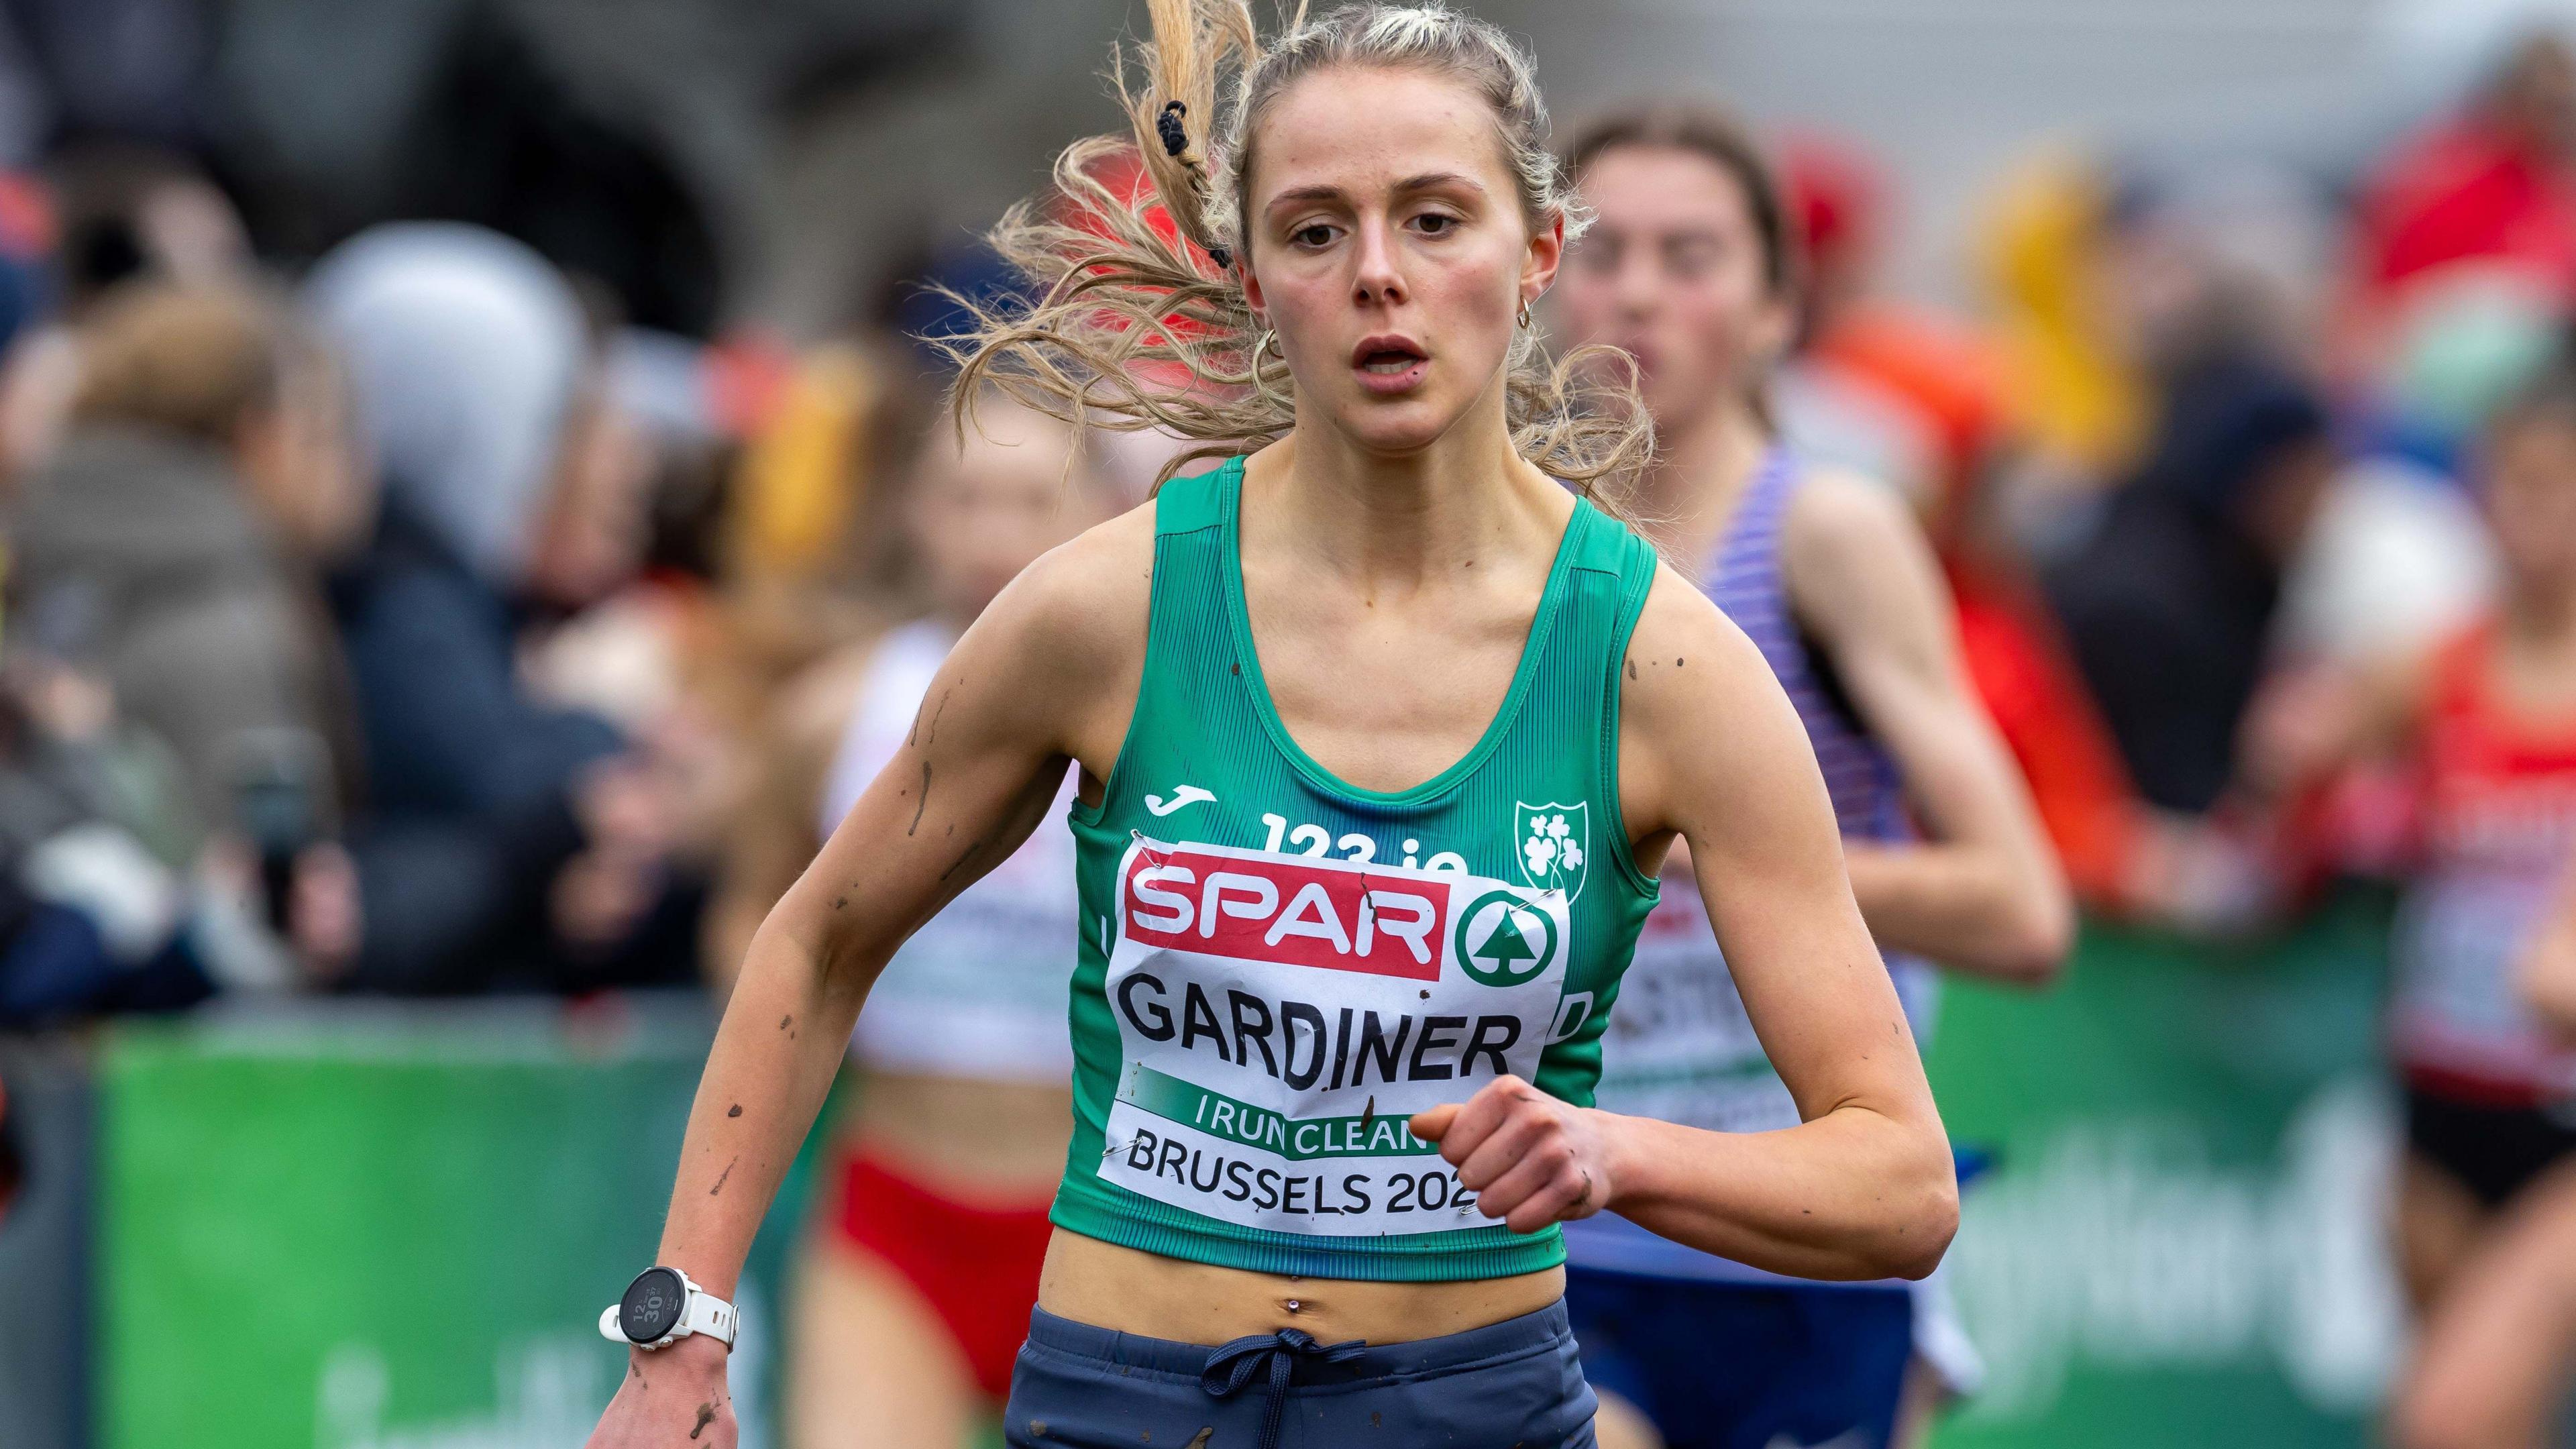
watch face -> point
(652, 1305)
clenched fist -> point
(1530, 1159)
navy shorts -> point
(1722, 1365)
(1513, 1383)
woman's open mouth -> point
(1389, 364)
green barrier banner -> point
(44, 1245)
(361, 1231)
(2184, 1241)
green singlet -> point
(1277, 969)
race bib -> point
(1281, 1016)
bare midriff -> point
(1108, 1286)
(1005, 1142)
(982, 1141)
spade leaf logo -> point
(1503, 940)
(1553, 844)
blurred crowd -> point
(2211, 450)
(404, 626)
(405, 619)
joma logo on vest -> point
(1342, 918)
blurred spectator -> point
(37, 374)
(1899, 392)
(129, 211)
(2490, 183)
(804, 531)
(821, 563)
(204, 474)
(1887, 389)
(2169, 603)
(509, 843)
(2217, 258)
(109, 214)
(2077, 398)
(99, 912)
(668, 652)
(2400, 554)
(27, 239)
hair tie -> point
(1176, 141)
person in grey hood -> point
(470, 369)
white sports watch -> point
(661, 1307)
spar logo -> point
(1512, 941)
(1299, 912)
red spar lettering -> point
(1297, 913)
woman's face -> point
(1386, 247)
(980, 515)
(597, 522)
(2531, 501)
(1674, 272)
(302, 465)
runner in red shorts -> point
(2486, 1190)
(916, 1287)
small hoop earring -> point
(1525, 313)
(1269, 343)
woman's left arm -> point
(1711, 751)
(1984, 893)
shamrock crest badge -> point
(1554, 843)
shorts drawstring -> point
(1232, 1366)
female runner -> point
(913, 1296)
(2486, 1205)
(2499, 1357)
(1382, 734)
(1688, 268)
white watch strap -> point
(709, 1315)
(701, 1312)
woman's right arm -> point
(2548, 968)
(2304, 726)
(1712, 752)
(1047, 675)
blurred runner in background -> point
(2486, 1203)
(1691, 270)
(918, 1279)
(2498, 1356)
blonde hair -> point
(190, 359)
(1127, 301)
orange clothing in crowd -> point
(2083, 794)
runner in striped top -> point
(1689, 270)
(1747, 578)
